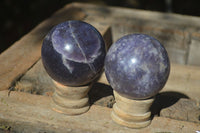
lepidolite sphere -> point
(137, 66)
(73, 53)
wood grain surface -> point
(24, 112)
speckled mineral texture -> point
(137, 66)
(73, 53)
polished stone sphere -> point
(137, 66)
(73, 53)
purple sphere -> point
(73, 53)
(137, 66)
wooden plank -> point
(174, 37)
(174, 31)
(37, 81)
(24, 53)
(165, 18)
(35, 112)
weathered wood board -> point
(180, 34)
(180, 85)
(23, 112)
(35, 113)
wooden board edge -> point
(22, 108)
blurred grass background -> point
(18, 17)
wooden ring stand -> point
(131, 113)
(70, 100)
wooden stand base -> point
(131, 113)
(70, 100)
